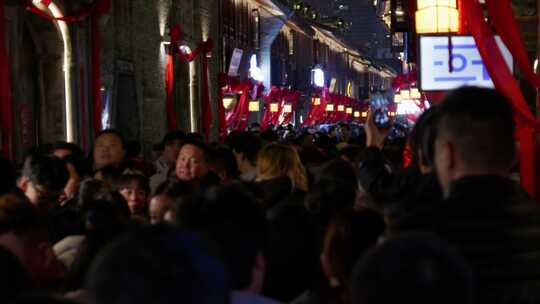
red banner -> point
(6, 114)
(504, 81)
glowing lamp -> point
(274, 107)
(356, 114)
(316, 101)
(415, 93)
(397, 98)
(253, 106)
(287, 108)
(228, 102)
(254, 71)
(329, 107)
(364, 114)
(341, 108)
(437, 16)
(405, 94)
(318, 77)
(348, 110)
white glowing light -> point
(318, 77)
(408, 107)
(254, 71)
(535, 65)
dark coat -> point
(495, 224)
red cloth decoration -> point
(237, 118)
(96, 9)
(6, 114)
(203, 49)
(527, 124)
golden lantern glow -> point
(341, 108)
(348, 110)
(415, 93)
(357, 114)
(253, 106)
(397, 98)
(364, 114)
(228, 102)
(287, 108)
(391, 114)
(316, 101)
(437, 16)
(405, 94)
(329, 107)
(274, 107)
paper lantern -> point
(415, 93)
(287, 108)
(437, 16)
(348, 110)
(228, 102)
(405, 94)
(329, 107)
(357, 114)
(274, 107)
(397, 98)
(316, 101)
(253, 106)
(341, 108)
(364, 114)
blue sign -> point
(467, 65)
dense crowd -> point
(282, 215)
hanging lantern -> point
(397, 98)
(405, 94)
(329, 107)
(357, 114)
(364, 114)
(228, 102)
(437, 16)
(287, 108)
(341, 108)
(316, 101)
(274, 107)
(253, 106)
(348, 110)
(415, 93)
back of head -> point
(223, 163)
(232, 216)
(157, 265)
(247, 143)
(479, 122)
(422, 137)
(49, 175)
(416, 268)
(278, 160)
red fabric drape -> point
(96, 9)
(169, 87)
(507, 85)
(237, 119)
(6, 114)
(206, 107)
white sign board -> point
(236, 59)
(468, 67)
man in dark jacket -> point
(484, 214)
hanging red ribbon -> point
(504, 81)
(95, 10)
(204, 49)
(6, 114)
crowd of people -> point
(280, 215)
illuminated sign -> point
(468, 67)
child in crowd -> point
(135, 189)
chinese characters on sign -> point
(468, 68)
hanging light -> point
(228, 102)
(274, 107)
(316, 101)
(348, 110)
(437, 16)
(405, 94)
(287, 108)
(397, 98)
(253, 106)
(357, 114)
(415, 93)
(341, 108)
(329, 107)
(364, 114)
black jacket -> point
(495, 224)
